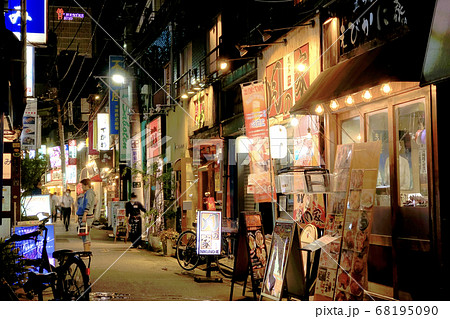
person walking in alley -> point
(54, 202)
(85, 213)
(66, 208)
(133, 211)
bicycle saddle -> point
(57, 254)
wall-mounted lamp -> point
(224, 63)
(266, 34)
(242, 51)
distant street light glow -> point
(118, 78)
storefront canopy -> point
(395, 61)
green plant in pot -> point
(158, 214)
(168, 239)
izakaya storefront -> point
(359, 101)
(370, 109)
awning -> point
(395, 61)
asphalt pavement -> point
(119, 272)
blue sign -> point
(36, 20)
(116, 65)
(31, 248)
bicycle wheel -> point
(73, 280)
(225, 261)
(187, 250)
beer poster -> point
(257, 131)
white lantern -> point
(278, 141)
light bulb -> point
(319, 109)
(386, 88)
(334, 105)
(367, 96)
(294, 121)
(223, 65)
(301, 67)
(349, 100)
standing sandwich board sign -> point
(284, 274)
(209, 232)
(251, 253)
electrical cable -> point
(82, 63)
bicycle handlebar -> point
(16, 237)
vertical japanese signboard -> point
(116, 65)
(287, 80)
(72, 152)
(153, 138)
(29, 125)
(103, 131)
(137, 186)
(125, 127)
(257, 131)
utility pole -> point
(61, 143)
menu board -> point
(336, 209)
(284, 268)
(209, 232)
(251, 253)
(256, 244)
(352, 273)
(121, 223)
(342, 273)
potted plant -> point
(168, 239)
(154, 240)
(158, 180)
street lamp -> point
(118, 78)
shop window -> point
(350, 130)
(214, 35)
(411, 158)
(377, 130)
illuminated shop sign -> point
(103, 131)
(68, 15)
(36, 20)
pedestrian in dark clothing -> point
(66, 208)
(133, 211)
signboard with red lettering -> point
(153, 138)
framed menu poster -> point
(284, 270)
(209, 232)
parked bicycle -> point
(67, 281)
(186, 249)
